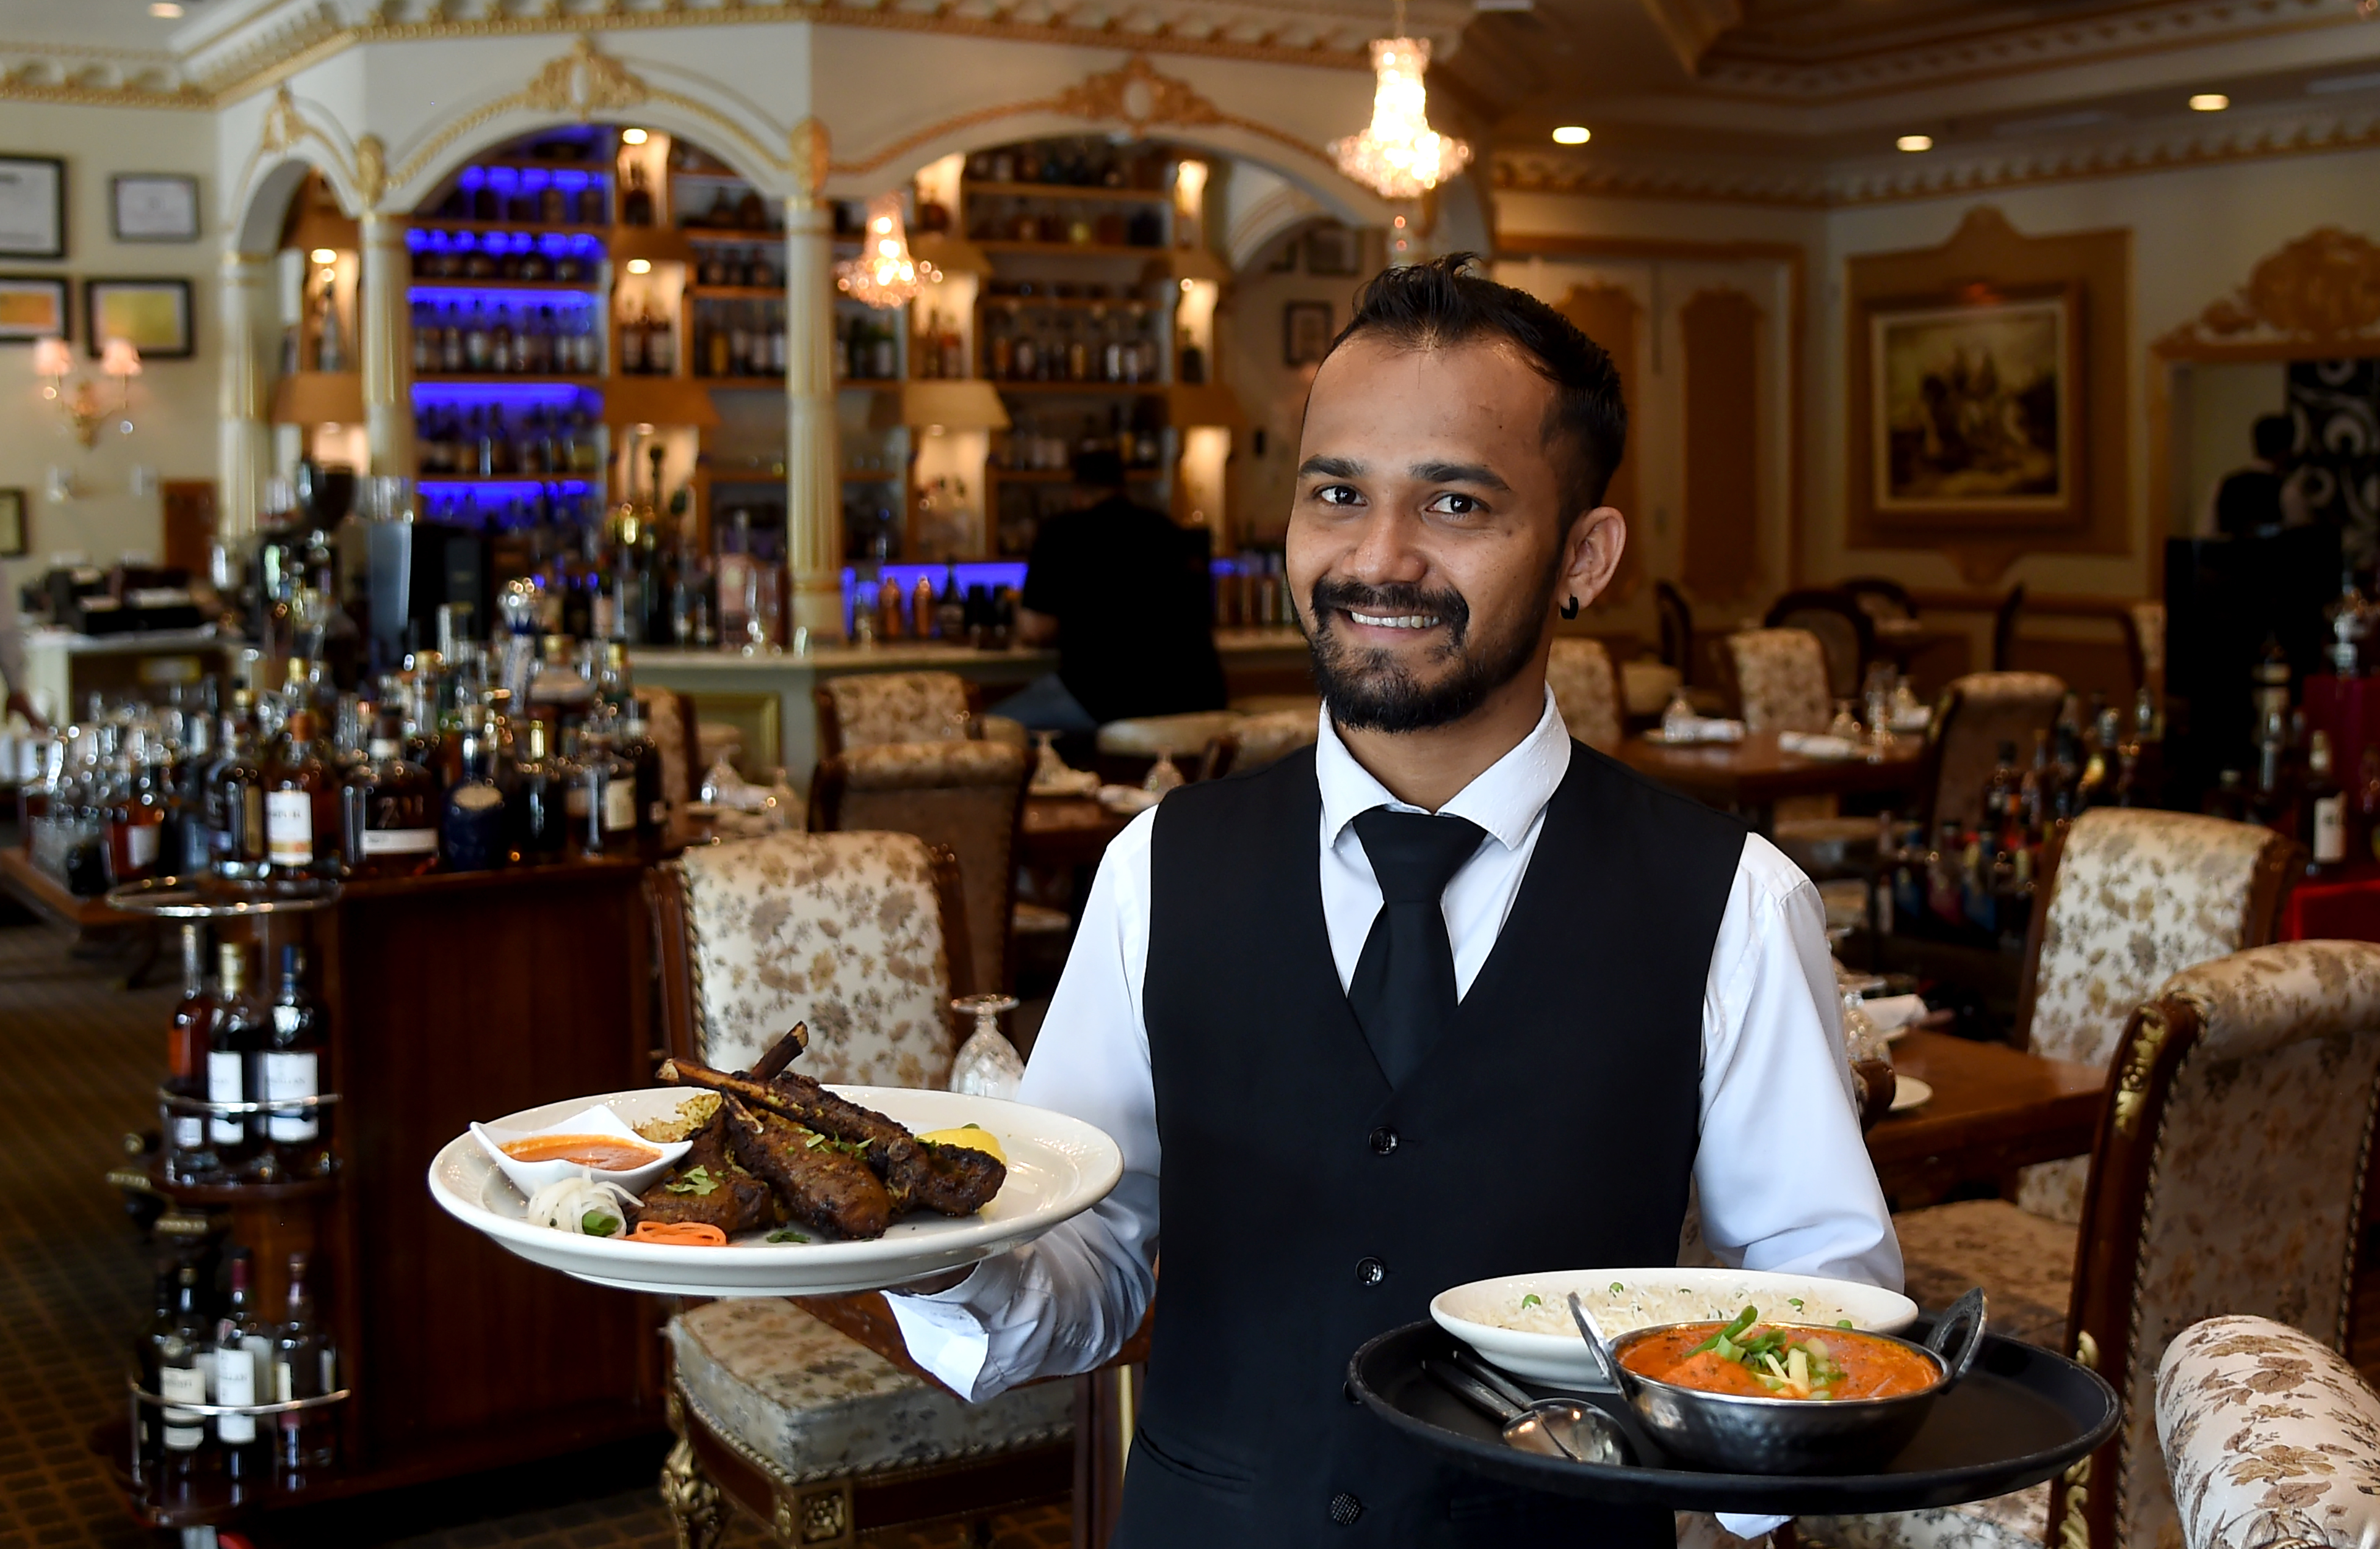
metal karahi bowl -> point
(1740, 1433)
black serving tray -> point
(2021, 1415)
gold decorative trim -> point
(809, 150)
(1137, 95)
(2320, 292)
(2140, 1058)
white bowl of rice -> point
(1522, 1322)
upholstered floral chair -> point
(2271, 1439)
(1780, 679)
(864, 710)
(1973, 717)
(1586, 690)
(812, 1434)
(967, 797)
(2229, 1177)
(1259, 738)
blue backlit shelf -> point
(443, 379)
(527, 228)
(578, 288)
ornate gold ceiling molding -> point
(1817, 185)
(2107, 39)
(1137, 95)
(1691, 27)
(2319, 294)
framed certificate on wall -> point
(32, 207)
(154, 207)
(153, 314)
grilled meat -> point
(705, 1187)
(817, 1179)
(950, 1180)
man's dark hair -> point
(1099, 468)
(1440, 304)
(2275, 436)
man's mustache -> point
(1332, 596)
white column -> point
(813, 490)
(385, 319)
(247, 439)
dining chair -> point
(810, 1434)
(2004, 623)
(966, 797)
(1972, 716)
(2227, 1178)
(1677, 624)
(1781, 682)
(1257, 739)
(862, 710)
(1127, 748)
(2144, 644)
(2271, 1439)
(1844, 629)
(1881, 596)
(1586, 690)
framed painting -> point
(32, 207)
(34, 306)
(1974, 406)
(153, 314)
(1305, 333)
(154, 207)
(1332, 251)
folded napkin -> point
(1817, 745)
(1888, 1012)
(1697, 729)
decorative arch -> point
(1143, 101)
(290, 142)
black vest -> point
(1307, 1206)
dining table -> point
(1067, 833)
(1752, 775)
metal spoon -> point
(1607, 1363)
(1549, 1427)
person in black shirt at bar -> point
(2261, 499)
(1122, 593)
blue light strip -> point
(581, 244)
(506, 489)
(512, 301)
(993, 573)
(561, 394)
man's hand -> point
(932, 1285)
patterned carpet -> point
(80, 1053)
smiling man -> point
(1446, 996)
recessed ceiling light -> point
(323, 255)
(1573, 134)
(632, 137)
(166, 8)
(1915, 143)
(2209, 102)
(641, 266)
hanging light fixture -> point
(884, 275)
(1399, 155)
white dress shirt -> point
(1793, 1192)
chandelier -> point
(884, 275)
(1400, 155)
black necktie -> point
(1402, 994)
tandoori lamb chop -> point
(950, 1180)
(817, 1179)
(705, 1187)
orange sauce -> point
(1873, 1368)
(607, 1153)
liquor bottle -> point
(643, 757)
(235, 799)
(2322, 812)
(389, 810)
(188, 1157)
(301, 804)
(136, 814)
(1942, 876)
(632, 345)
(175, 1361)
(143, 1371)
(610, 786)
(235, 1031)
(288, 1066)
(472, 831)
(241, 1351)
(2001, 794)
(2036, 792)
(2268, 805)
(536, 801)
(636, 203)
(305, 1365)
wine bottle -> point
(305, 1365)
(241, 1352)
(233, 1035)
(289, 1065)
(389, 810)
(188, 1157)
(177, 1360)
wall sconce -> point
(53, 361)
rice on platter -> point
(1623, 1305)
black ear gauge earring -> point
(1570, 609)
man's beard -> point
(1371, 690)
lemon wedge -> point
(971, 1137)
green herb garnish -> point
(788, 1234)
(1842, 1322)
(698, 1181)
(596, 1224)
(1532, 1300)
(1794, 1302)
(1616, 1288)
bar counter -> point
(769, 697)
